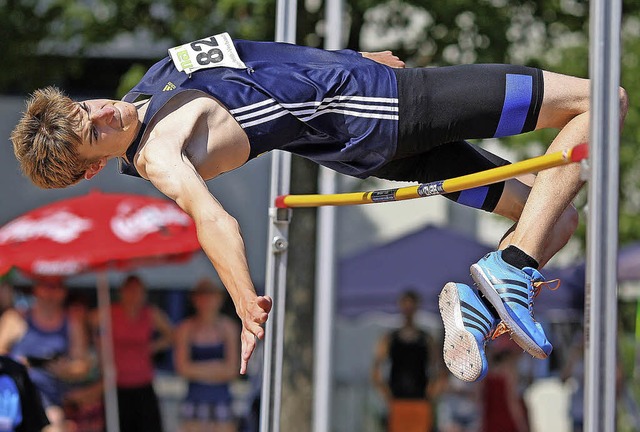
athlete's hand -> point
(255, 314)
(385, 58)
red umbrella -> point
(97, 231)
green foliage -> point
(130, 79)
(55, 36)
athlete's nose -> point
(105, 113)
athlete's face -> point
(107, 127)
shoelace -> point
(536, 287)
(501, 329)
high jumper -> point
(216, 103)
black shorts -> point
(439, 108)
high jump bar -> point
(456, 184)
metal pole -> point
(602, 230)
(324, 307)
(326, 264)
(106, 346)
(276, 275)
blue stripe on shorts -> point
(517, 99)
(473, 197)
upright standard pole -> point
(325, 264)
(602, 230)
(276, 274)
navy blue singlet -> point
(336, 108)
(202, 392)
(38, 342)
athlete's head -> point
(58, 141)
(46, 139)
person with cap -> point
(207, 355)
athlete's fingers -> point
(385, 58)
(265, 303)
(260, 312)
(255, 329)
(248, 346)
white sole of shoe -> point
(517, 334)
(460, 350)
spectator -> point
(410, 353)
(207, 354)
(53, 344)
(21, 407)
(458, 405)
(574, 370)
(134, 323)
(503, 405)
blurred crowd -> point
(61, 338)
(519, 393)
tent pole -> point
(106, 346)
(602, 230)
(276, 274)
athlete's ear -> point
(95, 168)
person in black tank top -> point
(408, 353)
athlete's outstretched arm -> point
(219, 235)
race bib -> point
(214, 51)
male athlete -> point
(214, 104)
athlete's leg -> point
(510, 279)
(511, 203)
(449, 160)
(566, 106)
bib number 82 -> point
(212, 55)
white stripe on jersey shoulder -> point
(352, 113)
(264, 119)
(336, 104)
(252, 106)
(339, 99)
(259, 112)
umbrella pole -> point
(106, 345)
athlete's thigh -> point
(446, 161)
(564, 97)
(453, 103)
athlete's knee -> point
(565, 97)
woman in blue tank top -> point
(207, 354)
(53, 345)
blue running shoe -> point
(468, 324)
(511, 292)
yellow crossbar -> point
(469, 181)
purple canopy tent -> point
(425, 260)
(574, 277)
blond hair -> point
(45, 141)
